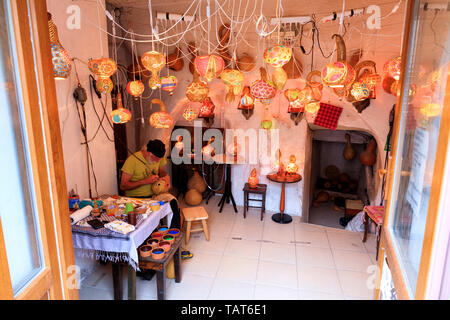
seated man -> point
(144, 168)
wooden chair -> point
(195, 214)
(376, 214)
(260, 189)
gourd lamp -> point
(233, 80)
(364, 87)
(277, 57)
(169, 83)
(253, 180)
(198, 90)
(263, 89)
(393, 67)
(160, 119)
(189, 114)
(135, 88)
(153, 61)
(246, 103)
(104, 68)
(207, 111)
(60, 58)
(120, 115)
(209, 66)
(312, 107)
(292, 166)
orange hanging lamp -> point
(209, 66)
(60, 58)
(120, 115)
(153, 61)
(135, 88)
(160, 119)
(104, 68)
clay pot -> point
(132, 218)
(157, 235)
(196, 182)
(159, 187)
(368, 157)
(163, 230)
(153, 242)
(165, 245)
(158, 253)
(349, 152)
(169, 238)
(145, 251)
(174, 232)
(193, 197)
(246, 63)
(322, 196)
(174, 60)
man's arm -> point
(127, 184)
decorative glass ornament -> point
(153, 61)
(209, 66)
(292, 166)
(393, 67)
(312, 107)
(60, 58)
(364, 87)
(247, 101)
(296, 107)
(266, 124)
(104, 68)
(360, 91)
(198, 90)
(120, 115)
(135, 88)
(338, 74)
(160, 119)
(169, 83)
(292, 94)
(189, 114)
(279, 78)
(263, 89)
(207, 109)
(233, 80)
(277, 56)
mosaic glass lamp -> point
(60, 58)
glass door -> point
(421, 145)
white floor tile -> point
(278, 252)
(356, 284)
(277, 274)
(314, 257)
(371, 243)
(91, 293)
(102, 278)
(318, 279)
(312, 295)
(264, 292)
(282, 233)
(224, 289)
(203, 264)
(238, 269)
(312, 239)
(300, 226)
(247, 230)
(346, 241)
(351, 260)
(215, 245)
(243, 248)
(191, 287)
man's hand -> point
(150, 179)
(167, 179)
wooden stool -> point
(376, 214)
(260, 189)
(193, 214)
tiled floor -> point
(253, 259)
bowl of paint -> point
(166, 245)
(155, 206)
(158, 253)
(157, 235)
(145, 250)
(169, 238)
(174, 232)
(163, 229)
(152, 242)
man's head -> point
(155, 150)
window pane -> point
(17, 211)
(418, 138)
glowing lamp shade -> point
(135, 88)
(277, 56)
(360, 91)
(207, 109)
(314, 88)
(153, 61)
(312, 107)
(189, 114)
(160, 119)
(247, 102)
(266, 124)
(209, 66)
(292, 94)
(104, 68)
(263, 89)
(393, 67)
(120, 115)
(292, 166)
(253, 180)
(296, 107)
(60, 58)
(233, 80)
(198, 90)
(169, 84)
(431, 110)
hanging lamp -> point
(153, 61)
(209, 67)
(160, 119)
(104, 68)
(60, 58)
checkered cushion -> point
(328, 116)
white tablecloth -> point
(120, 249)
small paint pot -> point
(145, 251)
(132, 218)
(157, 235)
(163, 229)
(155, 206)
(158, 253)
(169, 238)
(153, 242)
(174, 232)
(166, 245)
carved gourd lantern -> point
(189, 114)
(207, 111)
(364, 87)
(233, 80)
(246, 103)
(296, 107)
(312, 107)
(153, 61)
(135, 88)
(209, 66)
(292, 166)
(263, 89)
(198, 90)
(253, 180)
(393, 67)
(120, 115)
(104, 68)
(160, 119)
(339, 74)
(315, 87)
(60, 58)
(169, 83)
(277, 57)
